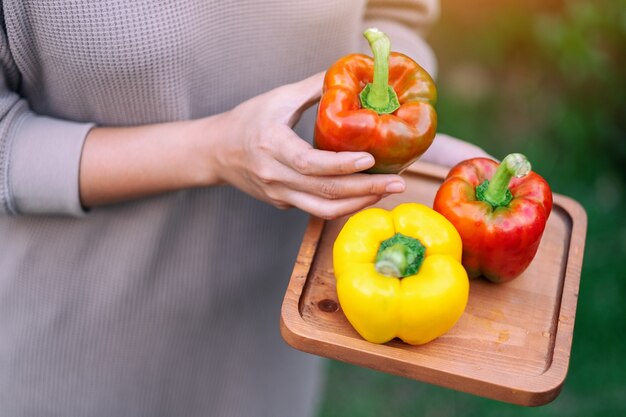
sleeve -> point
(39, 155)
(406, 22)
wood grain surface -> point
(513, 341)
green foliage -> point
(545, 79)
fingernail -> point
(364, 163)
(394, 187)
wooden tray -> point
(513, 341)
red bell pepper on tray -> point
(383, 106)
(500, 219)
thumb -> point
(302, 95)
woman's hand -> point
(254, 148)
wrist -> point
(202, 171)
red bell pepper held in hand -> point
(383, 106)
(500, 219)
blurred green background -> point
(545, 78)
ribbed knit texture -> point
(168, 306)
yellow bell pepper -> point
(399, 274)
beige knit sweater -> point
(166, 306)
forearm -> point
(124, 163)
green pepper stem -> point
(379, 95)
(513, 165)
(399, 256)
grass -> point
(545, 79)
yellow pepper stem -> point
(399, 256)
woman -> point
(146, 151)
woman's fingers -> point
(331, 209)
(276, 178)
(300, 156)
(325, 174)
(330, 175)
(357, 185)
